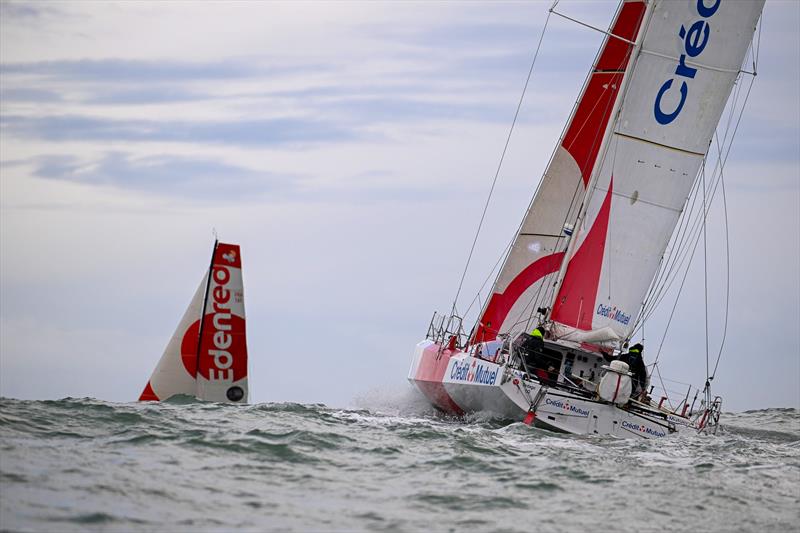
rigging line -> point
(727, 265)
(672, 263)
(669, 263)
(489, 276)
(693, 234)
(667, 270)
(705, 268)
(681, 252)
(758, 43)
(735, 129)
(675, 304)
(595, 28)
(688, 233)
(715, 182)
(502, 156)
(657, 370)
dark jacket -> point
(637, 367)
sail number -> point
(694, 42)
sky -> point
(348, 147)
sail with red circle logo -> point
(208, 358)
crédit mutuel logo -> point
(566, 407)
(695, 40)
(473, 373)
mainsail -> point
(527, 276)
(208, 358)
(678, 86)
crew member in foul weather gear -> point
(536, 342)
(530, 350)
(633, 357)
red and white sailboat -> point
(207, 355)
(594, 236)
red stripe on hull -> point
(430, 374)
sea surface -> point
(185, 465)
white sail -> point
(690, 56)
(208, 361)
(526, 279)
(222, 372)
(175, 371)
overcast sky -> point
(348, 147)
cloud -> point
(247, 133)
(204, 180)
(115, 70)
(26, 11)
(28, 94)
(188, 178)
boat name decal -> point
(642, 429)
(613, 313)
(567, 407)
(694, 42)
(223, 360)
(474, 373)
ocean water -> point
(185, 465)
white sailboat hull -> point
(459, 383)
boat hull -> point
(458, 383)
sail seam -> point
(638, 199)
(647, 141)
(691, 63)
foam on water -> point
(389, 464)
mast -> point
(538, 250)
(573, 241)
(205, 304)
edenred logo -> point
(223, 351)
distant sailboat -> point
(208, 359)
(592, 240)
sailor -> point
(633, 357)
(537, 339)
(539, 359)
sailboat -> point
(594, 236)
(207, 355)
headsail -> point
(526, 279)
(209, 359)
(679, 84)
